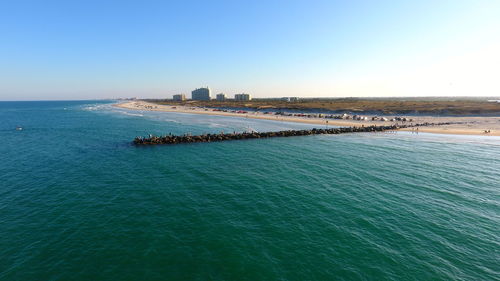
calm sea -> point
(79, 202)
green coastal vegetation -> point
(484, 106)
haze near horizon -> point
(154, 49)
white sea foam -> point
(95, 107)
(131, 114)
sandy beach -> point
(468, 126)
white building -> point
(201, 94)
(180, 97)
(242, 97)
(291, 99)
(221, 97)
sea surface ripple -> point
(79, 202)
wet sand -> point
(469, 126)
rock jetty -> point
(175, 139)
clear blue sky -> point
(99, 49)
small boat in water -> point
(19, 128)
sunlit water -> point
(79, 202)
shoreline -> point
(469, 126)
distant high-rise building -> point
(242, 97)
(221, 97)
(201, 94)
(180, 97)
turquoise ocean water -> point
(79, 202)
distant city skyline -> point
(56, 50)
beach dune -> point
(489, 126)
